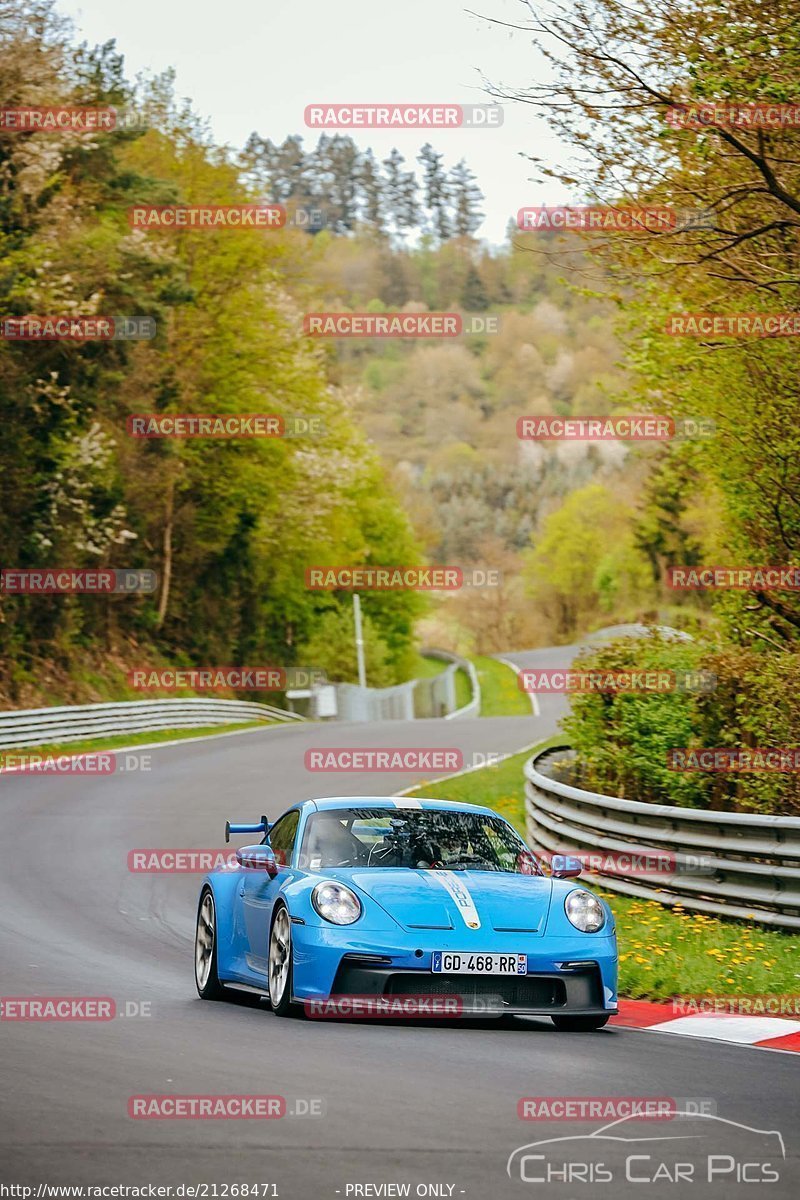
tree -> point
(623, 91)
(371, 189)
(466, 198)
(335, 168)
(400, 192)
(331, 648)
(474, 297)
(585, 562)
(228, 526)
(436, 191)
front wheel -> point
(280, 963)
(205, 950)
(579, 1024)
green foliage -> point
(352, 190)
(586, 561)
(331, 647)
(622, 740)
(228, 525)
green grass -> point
(426, 668)
(663, 951)
(463, 689)
(666, 951)
(500, 694)
(87, 745)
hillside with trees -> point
(227, 525)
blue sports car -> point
(379, 897)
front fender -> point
(224, 885)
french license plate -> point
(447, 963)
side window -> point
(282, 835)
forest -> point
(418, 460)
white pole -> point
(362, 671)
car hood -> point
(458, 900)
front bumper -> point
(566, 975)
(574, 992)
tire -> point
(279, 959)
(206, 977)
(579, 1024)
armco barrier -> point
(38, 726)
(433, 696)
(375, 704)
(473, 708)
(753, 860)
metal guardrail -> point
(39, 726)
(394, 703)
(431, 696)
(750, 862)
(473, 708)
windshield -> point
(414, 838)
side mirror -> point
(564, 866)
(258, 858)
(526, 863)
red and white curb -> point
(768, 1033)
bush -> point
(622, 740)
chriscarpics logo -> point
(699, 1149)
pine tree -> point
(401, 193)
(336, 163)
(437, 192)
(467, 199)
(371, 192)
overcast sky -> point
(255, 65)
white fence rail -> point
(431, 696)
(39, 726)
(473, 707)
(727, 864)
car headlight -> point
(585, 911)
(336, 903)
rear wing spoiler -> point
(262, 827)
